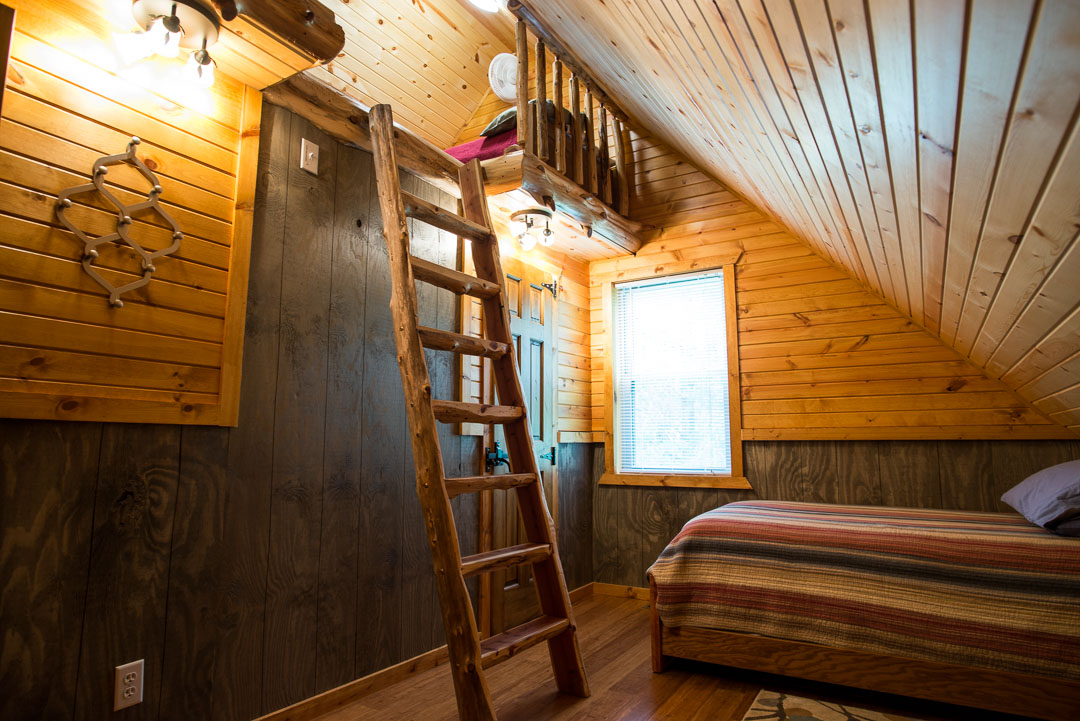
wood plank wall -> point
(820, 356)
(633, 525)
(930, 147)
(172, 352)
(266, 562)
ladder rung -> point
(502, 646)
(457, 412)
(474, 484)
(453, 280)
(457, 343)
(504, 557)
(434, 215)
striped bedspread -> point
(978, 589)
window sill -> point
(640, 479)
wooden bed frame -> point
(1053, 699)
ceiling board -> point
(928, 147)
(428, 59)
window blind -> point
(671, 377)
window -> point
(672, 396)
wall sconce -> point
(170, 25)
(532, 226)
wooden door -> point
(532, 324)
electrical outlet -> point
(309, 156)
(129, 685)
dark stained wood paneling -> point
(909, 472)
(967, 475)
(48, 473)
(126, 592)
(605, 524)
(299, 425)
(343, 449)
(382, 424)
(576, 488)
(195, 571)
(238, 670)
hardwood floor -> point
(614, 637)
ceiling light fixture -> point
(170, 25)
(532, 226)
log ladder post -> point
(469, 656)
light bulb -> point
(198, 73)
(547, 237)
(528, 242)
(133, 47)
(170, 48)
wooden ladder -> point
(469, 656)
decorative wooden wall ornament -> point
(124, 215)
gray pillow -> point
(1050, 498)
(507, 119)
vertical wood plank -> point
(382, 424)
(856, 472)
(630, 504)
(757, 460)
(48, 475)
(129, 564)
(804, 471)
(298, 436)
(605, 523)
(238, 672)
(344, 446)
(195, 573)
(966, 471)
(660, 521)
(910, 474)
(604, 173)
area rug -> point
(772, 706)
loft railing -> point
(577, 147)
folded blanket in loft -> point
(977, 589)
(484, 148)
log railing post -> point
(577, 145)
(543, 142)
(590, 144)
(524, 127)
(603, 190)
(623, 167)
(560, 119)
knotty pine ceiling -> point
(927, 147)
(427, 58)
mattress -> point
(978, 589)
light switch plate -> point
(309, 156)
(129, 685)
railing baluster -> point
(603, 190)
(543, 142)
(560, 120)
(622, 166)
(590, 143)
(577, 144)
(524, 127)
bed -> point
(979, 609)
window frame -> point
(735, 479)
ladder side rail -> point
(548, 574)
(473, 697)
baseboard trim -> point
(335, 698)
(612, 589)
